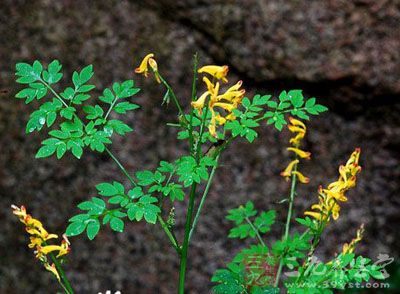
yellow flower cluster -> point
(39, 237)
(227, 101)
(299, 129)
(330, 197)
(143, 68)
(349, 248)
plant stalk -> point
(171, 93)
(185, 245)
(203, 198)
(288, 219)
(65, 282)
(169, 234)
(121, 167)
(255, 231)
(189, 215)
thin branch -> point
(203, 198)
(255, 231)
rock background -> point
(346, 53)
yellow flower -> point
(302, 179)
(199, 103)
(143, 67)
(297, 123)
(234, 94)
(349, 248)
(329, 198)
(220, 119)
(227, 101)
(19, 211)
(218, 72)
(62, 249)
(300, 153)
(299, 128)
(288, 170)
(52, 268)
(39, 237)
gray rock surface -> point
(346, 53)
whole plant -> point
(217, 114)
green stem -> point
(194, 94)
(203, 198)
(171, 93)
(189, 215)
(65, 282)
(288, 219)
(121, 167)
(185, 245)
(111, 107)
(255, 231)
(169, 234)
(54, 93)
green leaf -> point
(123, 107)
(61, 149)
(320, 108)
(29, 94)
(242, 231)
(229, 280)
(108, 189)
(77, 151)
(28, 74)
(68, 93)
(251, 135)
(176, 193)
(116, 199)
(246, 102)
(93, 228)
(51, 118)
(135, 212)
(93, 112)
(79, 218)
(75, 228)
(46, 151)
(310, 103)
(125, 90)
(135, 193)
(235, 127)
(117, 224)
(376, 274)
(145, 178)
(78, 99)
(68, 112)
(52, 75)
(261, 100)
(107, 97)
(166, 167)
(117, 126)
(264, 221)
(95, 206)
(59, 134)
(296, 98)
(150, 213)
(238, 215)
(36, 121)
(86, 74)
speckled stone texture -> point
(346, 53)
